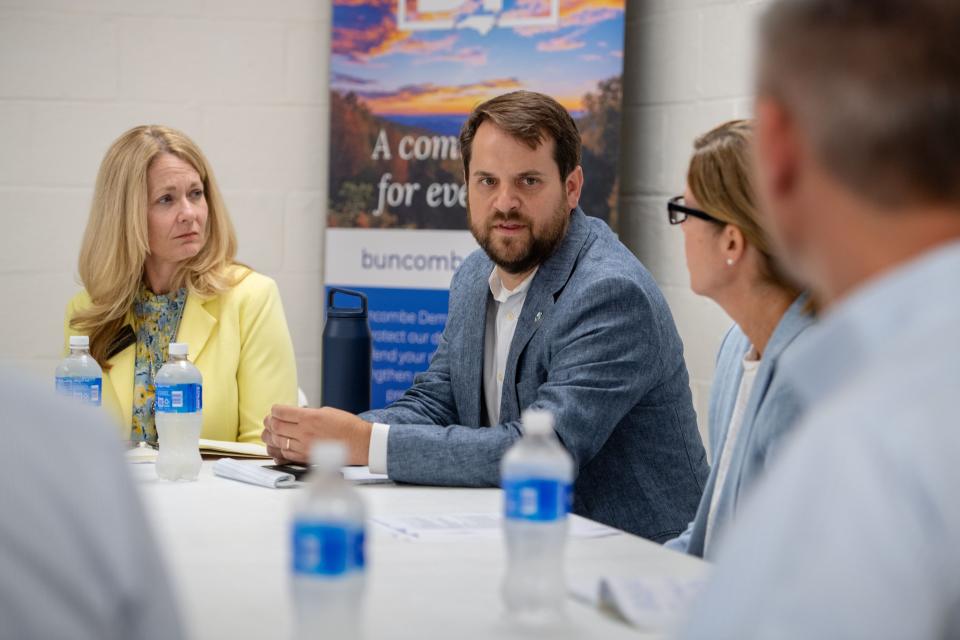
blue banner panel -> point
(406, 325)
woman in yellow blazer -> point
(157, 265)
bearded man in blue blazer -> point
(553, 313)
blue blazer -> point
(772, 409)
(595, 345)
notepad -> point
(233, 449)
(252, 474)
(147, 453)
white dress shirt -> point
(503, 312)
(502, 315)
(751, 362)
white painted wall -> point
(247, 79)
(688, 68)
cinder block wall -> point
(688, 68)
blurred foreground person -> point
(854, 532)
(77, 557)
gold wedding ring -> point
(288, 445)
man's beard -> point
(521, 253)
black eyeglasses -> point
(677, 212)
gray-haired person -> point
(856, 531)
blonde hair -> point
(115, 242)
(720, 178)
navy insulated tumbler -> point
(346, 355)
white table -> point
(227, 548)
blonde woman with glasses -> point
(730, 261)
(158, 265)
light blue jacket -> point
(773, 408)
(596, 346)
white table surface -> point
(226, 545)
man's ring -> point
(288, 445)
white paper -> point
(587, 591)
(362, 475)
(141, 454)
(487, 525)
(648, 603)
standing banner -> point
(405, 74)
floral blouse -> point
(155, 321)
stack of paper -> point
(649, 603)
(362, 475)
(484, 525)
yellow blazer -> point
(239, 341)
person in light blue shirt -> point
(855, 532)
(78, 557)
(729, 259)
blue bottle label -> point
(537, 499)
(84, 389)
(359, 546)
(326, 550)
(179, 398)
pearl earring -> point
(729, 262)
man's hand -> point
(289, 432)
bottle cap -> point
(79, 341)
(178, 349)
(328, 455)
(537, 422)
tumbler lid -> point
(346, 312)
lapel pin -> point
(539, 315)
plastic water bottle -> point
(327, 540)
(537, 477)
(78, 375)
(179, 416)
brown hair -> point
(720, 178)
(530, 118)
(115, 244)
(876, 86)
